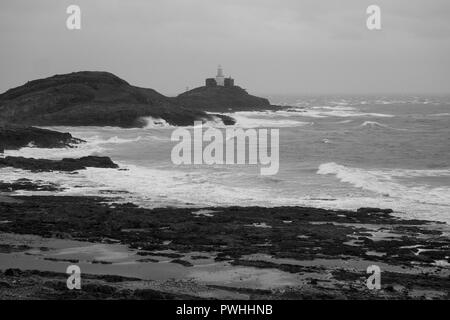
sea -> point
(336, 152)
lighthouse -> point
(220, 78)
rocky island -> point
(222, 99)
(220, 94)
(102, 99)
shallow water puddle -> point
(93, 258)
(116, 259)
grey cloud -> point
(269, 46)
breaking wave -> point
(377, 125)
(387, 182)
(163, 187)
(94, 145)
(269, 119)
(155, 123)
(440, 114)
(335, 111)
(144, 186)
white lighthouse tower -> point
(220, 78)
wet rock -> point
(25, 184)
(148, 260)
(12, 272)
(65, 164)
(16, 137)
(101, 262)
(174, 233)
(182, 262)
(222, 99)
(374, 210)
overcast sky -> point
(268, 46)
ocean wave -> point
(70, 183)
(215, 122)
(440, 114)
(268, 119)
(375, 125)
(96, 140)
(335, 108)
(165, 187)
(147, 187)
(409, 100)
(82, 150)
(383, 182)
(154, 187)
(336, 111)
(94, 145)
(155, 123)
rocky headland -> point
(91, 98)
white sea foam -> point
(155, 123)
(79, 151)
(389, 189)
(375, 125)
(215, 122)
(144, 186)
(336, 111)
(113, 140)
(383, 182)
(269, 119)
(75, 183)
(158, 187)
(440, 114)
(94, 145)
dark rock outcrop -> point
(65, 164)
(90, 99)
(222, 99)
(16, 137)
(28, 185)
(374, 210)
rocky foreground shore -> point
(224, 252)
